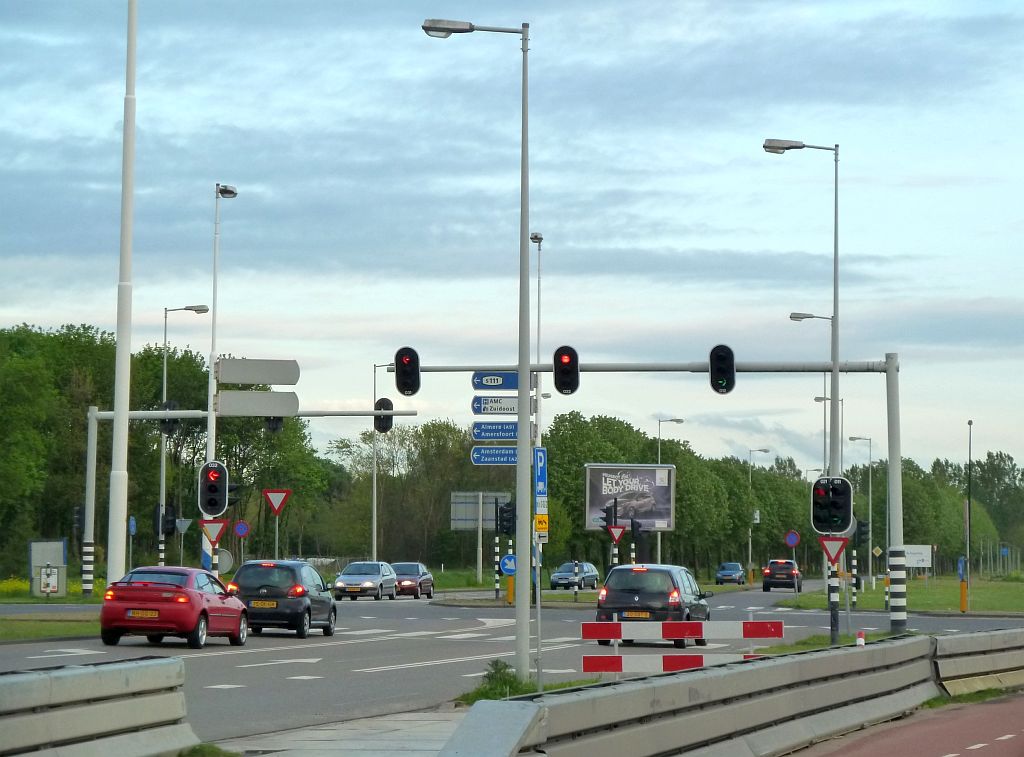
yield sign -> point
(214, 529)
(616, 532)
(276, 498)
(833, 546)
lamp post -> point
(779, 146)
(750, 523)
(198, 310)
(373, 509)
(442, 28)
(657, 539)
(824, 434)
(970, 464)
(871, 557)
(536, 237)
(209, 555)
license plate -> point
(781, 575)
(352, 588)
(636, 614)
(271, 603)
(143, 614)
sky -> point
(378, 178)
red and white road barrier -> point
(683, 629)
(669, 663)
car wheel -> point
(110, 638)
(302, 630)
(380, 593)
(430, 592)
(701, 642)
(394, 593)
(255, 630)
(416, 592)
(766, 587)
(604, 642)
(332, 619)
(155, 638)
(679, 643)
(197, 637)
(238, 638)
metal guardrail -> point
(133, 708)
(792, 701)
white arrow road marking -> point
(496, 622)
(309, 661)
(225, 686)
(62, 653)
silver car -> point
(566, 577)
(366, 579)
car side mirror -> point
(706, 594)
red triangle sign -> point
(214, 529)
(276, 498)
(616, 532)
(833, 546)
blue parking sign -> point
(540, 471)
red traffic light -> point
(407, 371)
(565, 358)
(566, 370)
(212, 474)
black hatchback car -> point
(285, 594)
(652, 592)
(782, 574)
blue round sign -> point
(241, 529)
(792, 539)
(508, 565)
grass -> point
(501, 682)
(819, 641)
(971, 697)
(941, 594)
(33, 627)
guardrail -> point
(763, 707)
(131, 708)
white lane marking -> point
(481, 674)
(367, 632)
(303, 678)
(506, 638)
(62, 653)
(1006, 737)
(560, 640)
(952, 630)
(448, 661)
(977, 746)
(952, 754)
(462, 636)
(225, 686)
(307, 661)
(496, 622)
(416, 633)
(725, 607)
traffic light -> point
(169, 425)
(566, 366)
(407, 371)
(77, 517)
(832, 505)
(610, 515)
(634, 530)
(863, 532)
(170, 519)
(383, 423)
(722, 367)
(213, 489)
(506, 518)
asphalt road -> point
(403, 655)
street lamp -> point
(443, 28)
(779, 146)
(227, 192)
(871, 557)
(657, 538)
(970, 465)
(750, 523)
(536, 237)
(198, 310)
(373, 509)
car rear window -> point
(654, 581)
(253, 576)
(153, 576)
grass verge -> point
(940, 594)
(970, 698)
(501, 682)
(31, 628)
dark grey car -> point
(570, 575)
(285, 594)
(652, 593)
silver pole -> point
(163, 458)
(117, 516)
(897, 557)
(835, 464)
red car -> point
(170, 601)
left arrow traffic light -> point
(383, 423)
(213, 489)
(407, 371)
(722, 368)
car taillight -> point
(673, 598)
(601, 595)
(108, 595)
(297, 591)
(767, 572)
(795, 572)
(181, 598)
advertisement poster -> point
(646, 493)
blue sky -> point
(378, 206)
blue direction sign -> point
(497, 455)
(495, 431)
(496, 405)
(508, 565)
(503, 380)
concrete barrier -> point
(976, 661)
(132, 708)
(763, 707)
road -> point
(403, 655)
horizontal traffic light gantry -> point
(832, 506)
(566, 367)
(407, 371)
(213, 489)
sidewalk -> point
(419, 734)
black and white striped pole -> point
(833, 604)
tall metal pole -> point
(897, 551)
(373, 508)
(835, 463)
(211, 417)
(117, 518)
(970, 465)
(163, 457)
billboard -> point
(646, 493)
(466, 510)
